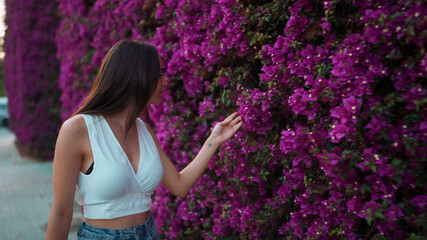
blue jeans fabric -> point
(144, 231)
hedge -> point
(31, 74)
(332, 95)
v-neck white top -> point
(113, 189)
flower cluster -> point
(333, 127)
(92, 28)
(31, 72)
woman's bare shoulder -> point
(73, 139)
(74, 129)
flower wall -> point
(31, 74)
(332, 95)
(88, 29)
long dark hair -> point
(129, 71)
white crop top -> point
(113, 189)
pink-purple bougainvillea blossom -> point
(326, 114)
(332, 95)
(31, 71)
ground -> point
(25, 194)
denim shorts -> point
(143, 231)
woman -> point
(114, 158)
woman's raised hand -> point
(226, 129)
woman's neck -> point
(122, 118)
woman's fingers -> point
(237, 126)
(236, 120)
(231, 117)
(227, 128)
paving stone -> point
(25, 194)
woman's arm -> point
(179, 183)
(66, 167)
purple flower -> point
(206, 106)
(420, 201)
(393, 212)
(287, 143)
(413, 96)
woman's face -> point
(157, 96)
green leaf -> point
(396, 163)
(379, 215)
(398, 179)
(411, 63)
(373, 167)
(413, 236)
(396, 15)
(365, 189)
(399, 99)
(411, 30)
(385, 203)
(369, 220)
(264, 174)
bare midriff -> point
(121, 222)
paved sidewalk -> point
(25, 194)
